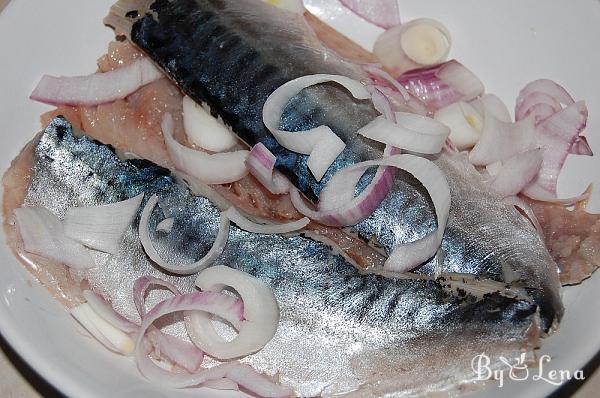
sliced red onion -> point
(180, 269)
(324, 154)
(494, 105)
(500, 140)
(406, 257)
(141, 286)
(204, 130)
(381, 102)
(411, 132)
(217, 168)
(464, 121)
(341, 190)
(337, 205)
(398, 104)
(419, 43)
(107, 312)
(383, 13)
(43, 234)
(352, 209)
(213, 303)
(517, 172)
(388, 94)
(380, 75)
(557, 134)
(442, 85)
(581, 147)
(101, 227)
(100, 319)
(546, 91)
(540, 112)
(260, 313)
(321, 143)
(558, 131)
(111, 337)
(179, 352)
(244, 223)
(98, 88)
(261, 163)
(539, 104)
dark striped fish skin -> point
(234, 54)
(228, 43)
(336, 323)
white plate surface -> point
(506, 43)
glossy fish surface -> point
(233, 54)
(341, 331)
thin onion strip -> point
(216, 168)
(98, 88)
(320, 143)
(181, 269)
(411, 132)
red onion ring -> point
(184, 269)
(550, 91)
(258, 323)
(349, 210)
(442, 85)
(141, 286)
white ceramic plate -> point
(506, 43)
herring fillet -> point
(341, 331)
(234, 54)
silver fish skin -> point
(341, 331)
(234, 54)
